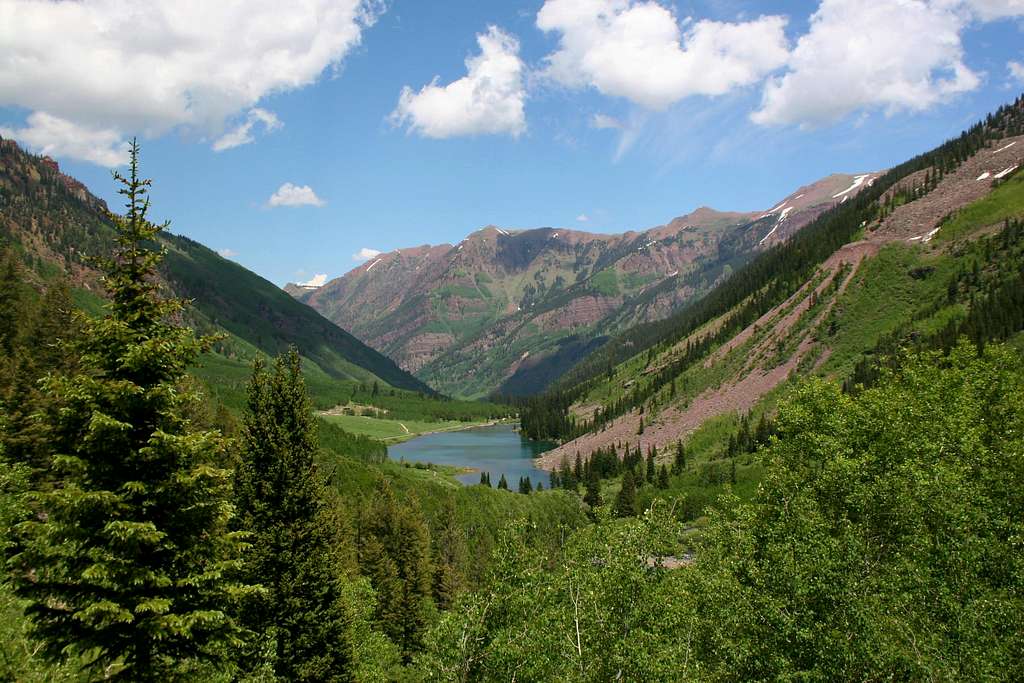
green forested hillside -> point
(650, 363)
(57, 227)
(205, 541)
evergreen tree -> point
(280, 500)
(450, 553)
(663, 477)
(525, 487)
(502, 483)
(127, 562)
(484, 479)
(394, 552)
(12, 302)
(679, 464)
(625, 502)
(652, 469)
(593, 495)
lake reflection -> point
(497, 449)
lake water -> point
(497, 449)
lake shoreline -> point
(495, 447)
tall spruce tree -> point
(593, 494)
(625, 502)
(128, 561)
(394, 552)
(281, 503)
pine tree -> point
(394, 552)
(129, 564)
(525, 486)
(625, 502)
(12, 302)
(663, 477)
(484, 479)
(280, 501)
(679, 464)
(652, 469)
(450, 553)
(593, 495)
(503, 483)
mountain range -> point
(509, 311)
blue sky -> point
(604, 115)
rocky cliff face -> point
(510, 310)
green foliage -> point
(625, 502)
(1005, 201)
(394, 553)
(127, 562)
(280, 501)
(601, 613)
(605, 282)
(885, 543)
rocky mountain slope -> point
(933, 250)
(57, 226)
(509, 311)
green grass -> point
(605, 282)
(883, 295)
(1006, 201)
(392, 430)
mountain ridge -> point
(508, 310)
(58, 227)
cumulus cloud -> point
(227, 253)
(894, 56)
(318, 280)
(294, 195)
(57, 137)
(365, 254)
(242, 133)
(583, 218)
(123, 67)
(1016, 70)
(637, 50)
(489, 99)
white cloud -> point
(605, 122)
(227, 253)
(489, 99)
(126, 68)
(318, 280)
(636, 49)
(294, 195)
(242, 133)
(57, 137)
(904, 55)
(1016, 70)
(365, 254)
(583, 218)
(989, 10)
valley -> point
(782, 444)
